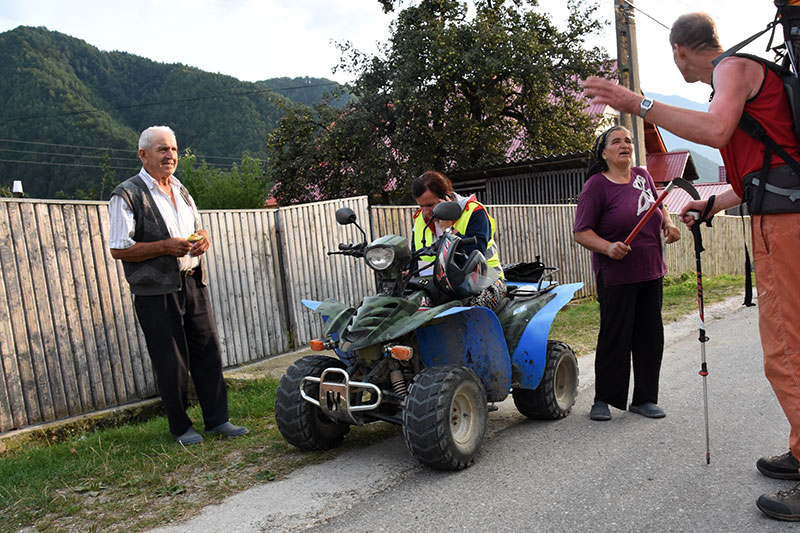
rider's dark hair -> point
(433, 181)
(695, 31)
(598, 164)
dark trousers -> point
(182, 338)
(630, 329)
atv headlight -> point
(380, 258)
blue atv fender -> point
(530, 354)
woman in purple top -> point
(629, 278)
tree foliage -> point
(453, 88)
(244, 186)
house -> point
(558, 178)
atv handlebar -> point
(355, 250)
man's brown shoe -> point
(780, 466)
(781, 505)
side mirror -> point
(447, 211)
(345, 216)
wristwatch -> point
(645, 106)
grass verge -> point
(578, 323)
(134, 477)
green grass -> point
(134, 477)
(577, 324)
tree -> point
(449, 91)
(244, 186)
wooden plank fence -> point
(69, 339)
(527, 231)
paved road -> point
(629, 474)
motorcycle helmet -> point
(456, 274)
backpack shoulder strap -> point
(755, 130)
(735, 48)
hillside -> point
(308, 91)
(674, 142)
(67, 104)
(707, 169)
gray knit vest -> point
(159, 275)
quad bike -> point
(415, 356)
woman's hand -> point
(671, 233)
(617, 250)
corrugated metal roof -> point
(599, 109)
(677, 197)
(667, 166)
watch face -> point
(645, 106)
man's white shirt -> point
(181, 222)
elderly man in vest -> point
(742, 84)
(429, 190)
(152, 219)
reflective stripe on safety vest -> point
(420, 229)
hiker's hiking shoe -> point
(780, 466)
(781, 505)
(648, 409)
(600, 411)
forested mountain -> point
(67, 105)
(707, 169)
(308, 91)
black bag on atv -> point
(525, 272)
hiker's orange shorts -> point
(776, 253)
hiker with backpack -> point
(756, 170)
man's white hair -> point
(146, 138)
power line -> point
(107, 149)
(67, 155)
(51, 163)
(164, 102)
(127, 150)
(40, 162)
(646, 15)
(78, 165)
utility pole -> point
(628, 70)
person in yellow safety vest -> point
(432, 188)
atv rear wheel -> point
(556, 393)
(445, 416)
(300, 422)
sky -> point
(260, 39)
(255, 40)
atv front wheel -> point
(556, 393)
(300, 422)
(445, 416)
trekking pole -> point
(650, 212)
(698, 248)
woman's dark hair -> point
(433, 181)
(598, 164)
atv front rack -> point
(334, 396)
